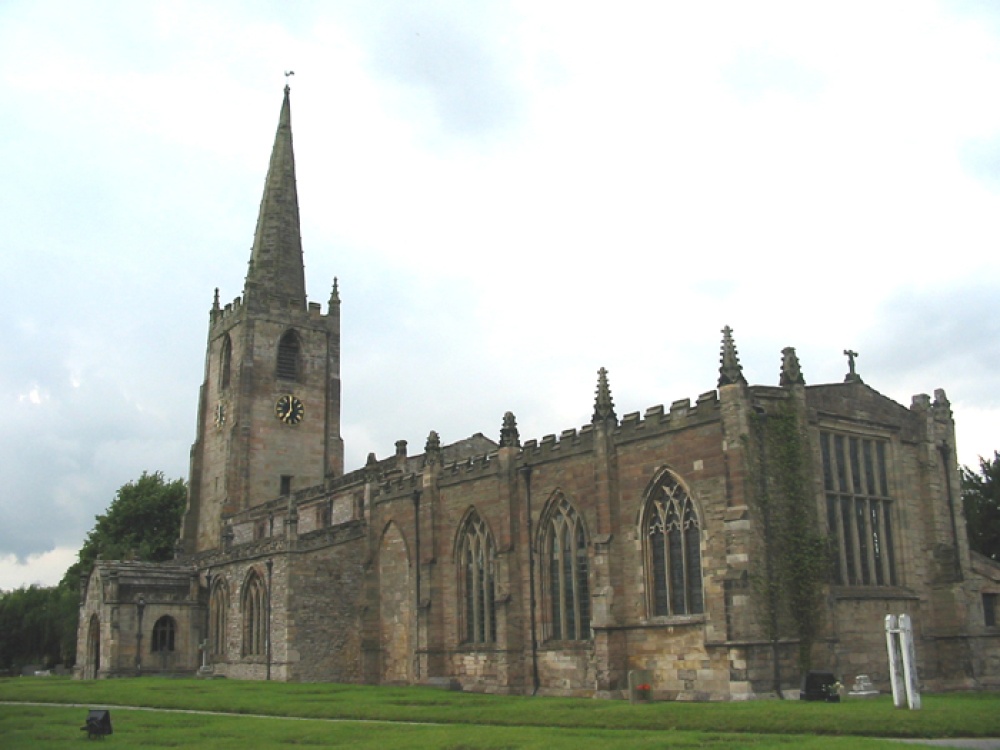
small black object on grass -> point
(819, 686)
(98, 724)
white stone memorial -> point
(902, 661)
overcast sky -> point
(512, 195)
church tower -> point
(269, 407)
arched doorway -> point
(395, 606)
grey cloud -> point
(947, 334)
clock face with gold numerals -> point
(289, 409)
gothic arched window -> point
(254, 616)
(477, 581)
(565, 565)
(163, 634)
(225, 361)
(289, 349)
(671, 534)
(218, 617)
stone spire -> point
(604, 407)
(276, 271)
(791, 372)
(730, 371)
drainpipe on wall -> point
(267, 644)
(140, 607)
(416, 537)
(526, 471)
(945, 458)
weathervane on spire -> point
(287, 74)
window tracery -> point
(672, 537)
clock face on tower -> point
(289, 409)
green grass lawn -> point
(300, 713)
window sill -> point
(872, 592)
(566, 645)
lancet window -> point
(477, 579)
(566, 587)
(672, 535)
(218, 618)
(254, 616)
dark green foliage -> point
(981, 499)
(142, 523)
(37, 626)
(790, 577)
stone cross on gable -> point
(852, 376)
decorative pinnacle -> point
(432, 449)
(852, 376)
(730, 371)
(215, 303)
(604, 407)
(791, 372)
(335, 293)
(509, 436)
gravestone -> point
(639, 685)
(862, 687)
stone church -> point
(553, 566)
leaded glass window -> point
(859, 514)
(254, 616)
(566, 582)
(672, 537)
(218, 617)
(163, 634)
(477, 564)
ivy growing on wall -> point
(789, 576)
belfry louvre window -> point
(225, 361)
(858, 510)
(672, 536)
(288, 356)
(566, 585)
(163, 634)
(477, 563)
(254, 616)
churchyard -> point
(236, 714)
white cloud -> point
(41, 569)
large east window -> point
(671, 534)
(566, 586)
(859, 514)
